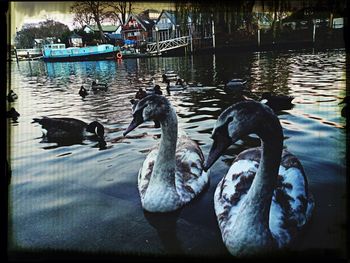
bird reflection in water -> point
(165, 224)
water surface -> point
(81, 198)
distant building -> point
(107, 29)
(138, 28)
(75, 40)
(306, 17)
(167, 26)
(51, 40)
(38, 43)
(152, 14)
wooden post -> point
(157, 39)
(191, 44)
(213, 32)
(314, 32)
(16, 54)
(259, 37)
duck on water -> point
(98, 86)
(277, 102)
(235, 84)
(61, 129)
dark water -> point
(80, 198)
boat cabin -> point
(55, 46)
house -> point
(263, 19)
(75, 40)
(38, 43)
(306, 17)
(107, 29)
(152, 14)
(138, 28)
(166, 26)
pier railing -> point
(158, 47)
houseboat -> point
(28, 54)
(59, 52)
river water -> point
(77, 197)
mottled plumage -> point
(290, 207)
(172, 173)
(263, 200)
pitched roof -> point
(143, 20)
(74, 35)
(105, 28)
(170, 14)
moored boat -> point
(59, 52)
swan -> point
(263, 200)
(277, 102)
(172, 173)
(70, 128)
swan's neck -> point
(260, 194)
(161, 194)
(251, 232)
(164, 167)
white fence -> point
(168, 44)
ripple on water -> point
(78, 197)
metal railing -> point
(168, 44)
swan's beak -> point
(133, 124)
(217, 149)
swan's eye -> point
(229, 119)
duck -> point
(98, 86)
(174, 87)
(345, 109)
(277, 102)
(172, 174)
(169, 75)
(152, 81)
(11, 96)
(83, 92)
(13, 114)
(164, 78)
(235, 84)
(62, 128)
(263, 201)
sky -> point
(33, 12)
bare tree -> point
(85, 11)
(119, 10)
(82, 16)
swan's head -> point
(151, 107)
(96, 128)
(242, 119)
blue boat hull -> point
(104, 56)
(58, 52)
